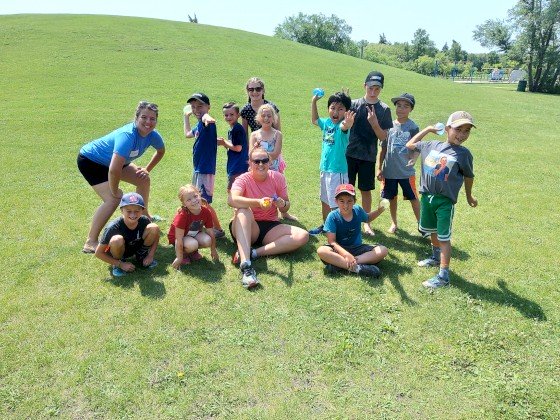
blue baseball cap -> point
(132, 198)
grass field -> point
(76, 343)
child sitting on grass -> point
(186, 232)
(345, 250)
(130, 234)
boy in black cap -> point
(373, 119)
(128, 235)
(396, 161)
(205, 150)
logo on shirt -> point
(439, 165)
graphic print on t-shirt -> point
(439, 164)
(194, 228)
(328, 135)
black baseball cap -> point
(375, 78)
(199, 97)
(405, 97)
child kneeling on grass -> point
(130, 234)
(345, 250)
(187, 232)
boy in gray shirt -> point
(397, 165)
(445, 166)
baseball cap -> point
(405, 97)
(459, 118)
(345, 188)
(374, 78)
(199, 96)
(132, 199)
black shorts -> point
(365, 170)
(93, 172)
(265, 226)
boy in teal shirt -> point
(336, 131)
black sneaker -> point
(369, 270)
(332, 269)
(317, 231)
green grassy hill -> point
(76, 343)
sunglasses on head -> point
(254, 89)
(259, 161)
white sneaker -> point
(249, 279)
(429, 262)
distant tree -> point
(361, 45)
(537, 26)
(456, 53)
(330, 33)
(193, 19)
(422, 44)
(494, 33)
(445, 48)
(383, 39)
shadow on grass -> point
(146, 280)
(204, 269)
(501, 295)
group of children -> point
(350, 138)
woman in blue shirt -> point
(108, 160)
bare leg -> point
(246, 231)
(373, 256)
(325, 209)
(366, 204)
(416, 209)
(282, 239)
(445, 247)
(101, 215)
(393, 204)
(142, 184)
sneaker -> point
(118, 272)
(317, 231)
(195, 256)
(186, 260)
(249, 278)
(219, 233)
(429, 262)
(435, 282)
(332, 269)
(152, 264)
(369, 270)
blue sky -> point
(398, 20)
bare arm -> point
(278, 125)
(380, 159)
(372, 119)
(277, 146)
(158, 155)
(410, 145)
(236, 200)
(187, 126)
(473, 202)
(314, 110)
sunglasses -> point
(254, 89)
(259, 161)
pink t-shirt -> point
(275, 184)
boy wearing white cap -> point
(128, 235)
(445, 166)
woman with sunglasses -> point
(249, 118)
(257, 196)
(108, 160)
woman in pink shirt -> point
(257, 196)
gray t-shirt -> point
(443, 168)
(399, 161)
(363, 141)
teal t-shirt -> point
(333, 152)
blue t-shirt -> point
(125, 141)
(205, 148)
(348, 234)
(333, 152)
(237, 162)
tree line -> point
(528, 39)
